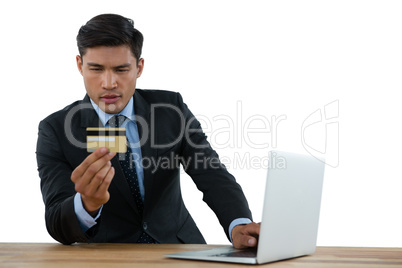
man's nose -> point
(109, 80)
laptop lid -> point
(290, 213)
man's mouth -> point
(110, 98)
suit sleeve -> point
(57, 188)
(220, 190)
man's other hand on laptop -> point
(244, 236)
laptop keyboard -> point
(244, 253)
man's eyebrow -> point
(94, 64)
(115, 67)
(123, 66)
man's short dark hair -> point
(110, 30)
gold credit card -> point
(112, 138)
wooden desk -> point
(135, 255)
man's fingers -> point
(104, 186)
(97, 180)
(90, 174)
(84, 173)
(251, 241)
(92, 179)
(246, 235)
(252, 229)
(97, 165)
(246, 241)
(82, 168)
(98, 195)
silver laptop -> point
(290, 214)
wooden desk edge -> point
(127, 255)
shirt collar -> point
(128, 112)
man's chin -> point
(113, 108)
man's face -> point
(110, 75)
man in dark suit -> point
(135, 197)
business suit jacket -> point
(167, 130)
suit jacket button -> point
(145, 225)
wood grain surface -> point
(141, 255)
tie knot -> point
(117, 121)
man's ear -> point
(140, 67)
(79, 63)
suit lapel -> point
(142, 117)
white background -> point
(257, 59)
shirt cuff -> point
(86, 221)
(236, 222)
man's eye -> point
(122, 70)
(95, 69)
